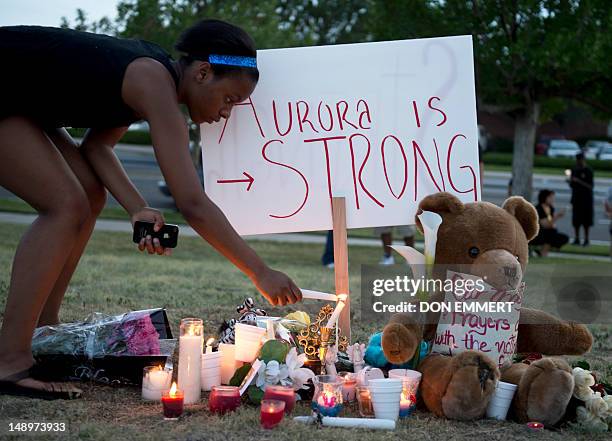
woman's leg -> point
(33, 169)
(96, 195)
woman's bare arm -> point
(149, 89)
(97, 147)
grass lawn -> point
(113, 278)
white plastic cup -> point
(210, 380)
(501, 400)
(211, 370)
(385, 383)
(397, 373)
(248, 342)
(385, 394)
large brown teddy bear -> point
(485, 240)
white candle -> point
(339, 307)
(209, 343)
(353, 423)
(154, 382)
(190, 359)
(317, 295)
(229, 364)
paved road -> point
(186, 231)
(142, 168)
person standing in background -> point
(581, 183)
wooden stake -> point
(341, 262)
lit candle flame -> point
(173, 390)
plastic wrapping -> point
(99, 335)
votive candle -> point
(365, 402)
(155, 380)
(283, 393)
(271, 413)
(224, 399)
(172, 402)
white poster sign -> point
(382, 124)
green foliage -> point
(162, 21)
(326, 22)
(240, 374)
(274, 350)
(526, 50)
(583, 364)
(255, 394)
(529, 54)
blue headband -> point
(233, 60)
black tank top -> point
(63, 77)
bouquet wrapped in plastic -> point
(120, 345)
(100, 335)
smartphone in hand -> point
(167, 235)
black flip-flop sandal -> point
(9, 386)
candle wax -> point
(173, 405)
(287, 396)
(223, 403)
(158, 379)
(270, 417)
(348, 390)
(365, 403)
(190, 365)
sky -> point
(50, 12)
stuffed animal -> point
(489, 242)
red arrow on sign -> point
(248, 179)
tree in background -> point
(325, 22)
(529, 54)
(162, 21)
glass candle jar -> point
(271, 413)
(283, 393)
(349, 385)
(365, 402)
(172, 403)
(155, 380)
(224, 399)
(190, 358)
(327, 398)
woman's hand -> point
(277, 287)
(148, 214)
